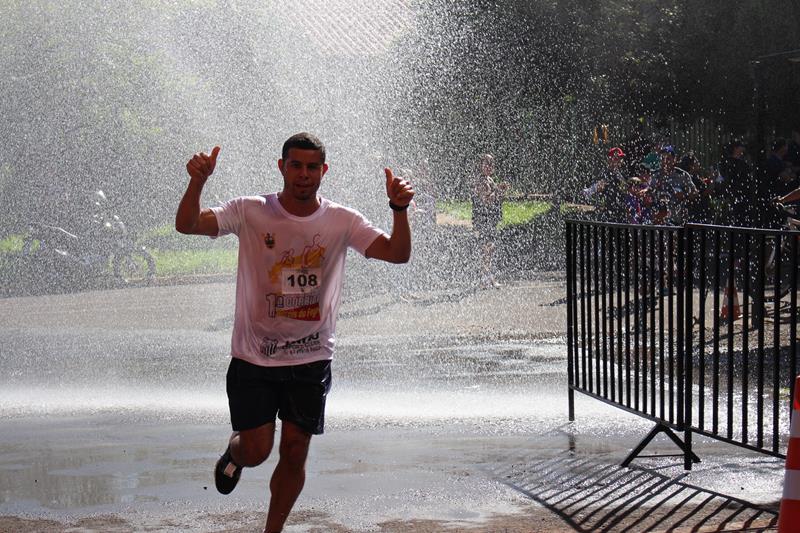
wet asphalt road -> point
(113, 402)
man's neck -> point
(299, 208)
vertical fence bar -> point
(661, 299)
(604, 308)
(746, 338)
(687, 348)
(683, 347)
(715, 353)
(701, 343)
(776, 346)
(576, 295)
(761, 288)
(671, 324)
(576, 266)
(636, 347)
(628, 241)
(612, 252)
(618, 247)
(654, 298)
(589, 329)
(596, 289)
(582, 248)
(645, 316)
(731, 294)
(570, 333)
(792, 316)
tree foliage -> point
(531, 81)
(115, 98)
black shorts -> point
(256, 394)
(486, 228)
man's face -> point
(302, 172)
(614, 161)
(738, 152)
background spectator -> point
(738, 185)
(610, 191)
(487, 212)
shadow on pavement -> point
(592, 496)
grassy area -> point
(514, 213)
(180, 255)
(187, 262)
(210, 257)
(185, 255)
(11, 244)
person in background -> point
(673, 186)
(636, 148)
(737, 186)
(649, 165)
(610, 191)
(779, 175)
(699, 206)
(487, 213)
(634, 201)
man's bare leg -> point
(289, 476)
(246, 448)
(251, 447)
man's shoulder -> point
(334, 208)
(260, 199)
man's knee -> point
(255, 445)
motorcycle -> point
(106, 253)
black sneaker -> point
(226, 473)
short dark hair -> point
(303, 141)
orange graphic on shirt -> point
(294, 306)
(312, 257)
(287, 258)
(307, 312)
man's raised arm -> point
(397, 247)
(190, 218)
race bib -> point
(300, 280)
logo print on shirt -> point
(269, 240)
(268, 347)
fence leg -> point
(571, 404)
(687, 451)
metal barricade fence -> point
(644, 330)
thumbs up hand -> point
(399, 190)
(202, 165)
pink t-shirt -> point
(290, 275)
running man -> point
(284, 325)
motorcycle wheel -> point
(136, 266)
